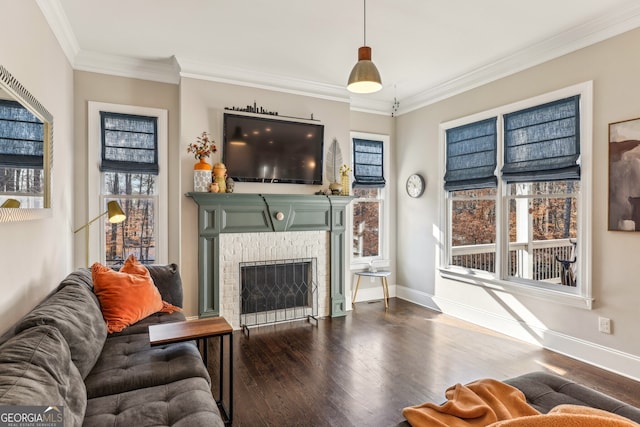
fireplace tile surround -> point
(293, 218)
(236, 248)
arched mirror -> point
(26, 147)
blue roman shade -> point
(471, 156)
(368, 160)
(542, 143)
(129, 143)
(21, 137)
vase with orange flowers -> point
(202, 149)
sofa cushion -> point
(142, 327)
(36, 369)
(128, 362)
(128, 295)
(183, 403)
(545, 391)
(74, 311)
(167, 279)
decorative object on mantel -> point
(260, 110)
(334, 158)
(344, 173)
(230, 184)
(214, 188)
(220, 176)
(335, 188)
(202, 149)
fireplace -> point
(276, 252)
(226, 220)
(278, 291)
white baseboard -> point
(613, 360)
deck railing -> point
(540, 265)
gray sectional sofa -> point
(60, 354)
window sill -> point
(485, 281)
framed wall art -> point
(624, 175)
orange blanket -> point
(477, 404)
(569, 416)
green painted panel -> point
(244, 219)
(307, 219)
(208, 273)
(337, 273)
(209, 223)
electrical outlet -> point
(604, 325)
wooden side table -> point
(382, 274)
(201, 329)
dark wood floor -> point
(362, 369)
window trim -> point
(94, 156)
(382, 260)
(582, 295)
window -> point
(129, 146)
(366, 222)
(369, 208)
(515, 186)
(21, 154)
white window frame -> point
(94, 193)
(382, 260)
(581, 295)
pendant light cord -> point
(365, 22)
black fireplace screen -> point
(277, 291)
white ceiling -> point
(425, 50)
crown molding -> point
(618, 21)
(157, 70)
(170, 70)
(215, 72)
(363, 104)
(61, 28)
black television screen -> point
(260, 149)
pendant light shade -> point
(364, 77)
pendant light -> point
(364, 77)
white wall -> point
(614, 70)
(36, 255)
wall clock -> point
(415, 185)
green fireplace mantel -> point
(258, 213)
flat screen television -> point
(261, 149)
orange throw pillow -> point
(128, 295)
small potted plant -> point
(202, 149)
